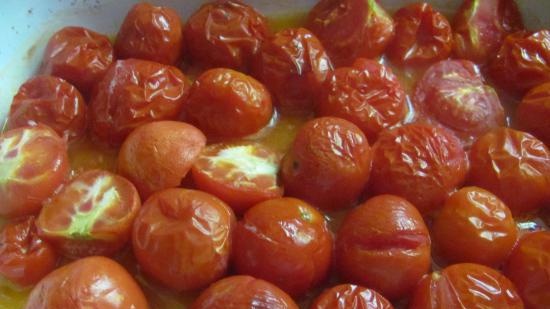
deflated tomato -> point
(533, 112)
(349, 296)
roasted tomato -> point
(367, 94)
(79, 56)
(349, 296)
(384, 244)
(33, 164)
(92, 282)
(481, 25)
(51, 101)
(293, 65)
(152, 33)
(350, 29)
(465, 286)
(419, 162)
(529, 269)
(226, 103)
(533, 113)
(243, 292)
(226, 33)
(513, 165)
(182, 238)
(158, 155)
(422, 36)
(284, 241)
(24, 257)
(329, 163)
(135, 92)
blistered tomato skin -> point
(350, 296)
(533, 113)
(284, 241)
(182, 238)
(384, 244)
(92, 282)
(243, 292)
(151, 33)
(419, 162)
(135, 92)
(350, 29)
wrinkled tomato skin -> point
(152, 33)
(513, 165)
(182, 238)
(329, 163)
(368, 94)
(422, 36)
(284, 241)
(24, 257)
(51, 101)
(243, 292)
(92, 282)
(135, 92)
(79, 56)
(529, 269)
(350, 29)
(224, 103)
(384, 244)
(465, 286)
(349, 296)
(225, 34)
(34, 163)
(419, 162)
(533, 113)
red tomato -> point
(182, 238)
(24, 257)
(158, 155)
(136, 92)
(384, 245)
(79, 56)
(225, 33)
(93, 282)
(152, 33)
(529, 269)
(284, 241)
(419, 162)
(350, 29)
(293, 65)
(367, 94)
(33, 164)
(51, 101)
(465, 286)
(349, 296)
(481, 25)
(243, 292)
(533, 112)
(329, 163)
(226, 103)
(513, 165)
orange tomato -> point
(533, 112)
(349, 296)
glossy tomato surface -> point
(350, 296)
(533, 112)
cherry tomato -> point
(241, 175)
(419, 162)
(158, 155)
(182, 238)
(225, 33)
(136, 92)
(534, 111)
(384, 245)
(529, 269)
(349, 296)
(480, 26)
(243, 292)
(33, 164)
(51, 101)
(79, 56)
(152, 33)
(513, 165)
(329, 163)
(293, 65)
(284, 241)
(92, 282)
(226, 103)
(350, 29)
(465, 286)
(367, 94)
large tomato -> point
(349, 296)
(533, 112)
